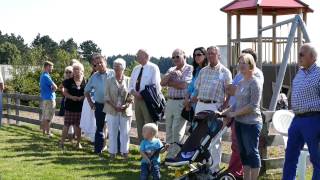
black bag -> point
(187, 115)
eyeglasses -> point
(301, 55)
(95, 65)
(68, 72)
(175, 57)
(199, 54)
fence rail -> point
(266, 140)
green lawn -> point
(26, 154)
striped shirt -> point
(211, 82)
(186, 76)
(306, 90)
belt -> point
(208, 101)
(307, 114)
(175, 98)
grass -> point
(26, 154)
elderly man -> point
(48, 96)
(305, 103)
(97, 82)
(177, 79)
(210, 92)
(146, 73)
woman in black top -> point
(74, 93)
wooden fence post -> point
(8, 108)
(17, 107)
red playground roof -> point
(269, 7)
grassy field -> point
(26, 154)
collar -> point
(216, 67)
(310, 69)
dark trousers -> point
(100, 121)
(146, 170)
(303, 130)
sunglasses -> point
(199, 54)
(301, 55)
(68, 72)
(175, 57)
(95, 65)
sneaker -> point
(78, 146)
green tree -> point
(87, 48)
(47, 44)
(35, 56)
(69, 45)
(9, 54)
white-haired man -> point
(305, 103)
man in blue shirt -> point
(97, 82)
(48, 97)
(305, 103)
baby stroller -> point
(206, 127)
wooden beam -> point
(259, 15)
(274, 41)
(238, 36)
(229, 36)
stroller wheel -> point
(227, 176)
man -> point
(48, 96)
(1, 94)
(235, 165)
(146, 73)
(97, 83)
(177, 79)
(210, 92)
(305, 103)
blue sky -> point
(124, 26)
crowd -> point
(105, 100)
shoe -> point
(50, 135)
(125, 155)
(105, 148)
(78, 146)
(112, 156)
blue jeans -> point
(303, 130)
(145, 171)
(248, 141)
(100, 121)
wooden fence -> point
(13, 106)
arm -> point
(69, 96)
(87, 90)
(1, 87)
(164, 81)
(144, 156)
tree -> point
(88, 48)
(46, 43)
(16, 40)
(35, 56)
(9, 54)
(69, 45)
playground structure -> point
(276, 50)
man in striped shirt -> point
(305, 102)
(176, 79)
(210, 92)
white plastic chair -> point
(281, 122)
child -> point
(148, 147)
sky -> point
(124, 26)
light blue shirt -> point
(46, 83)
(97, 82)
(149, 147)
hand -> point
(166, 146)
(194, 99)
(124, 107)
(186, 102)
(138, 95)
(93, 107)
(226, 121)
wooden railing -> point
(267, 140)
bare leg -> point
(254, 173)
(48, 127)
(64, 135)
(246, 173)
(77, 130)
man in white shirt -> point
(1, 93)
(146, 73)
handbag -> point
(187, 115)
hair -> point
(120, 61)
(47, 63)
(68, 68)
(194, 63)
(252, 52)
(74, 61)
(145, 53)
(153, 127)
(79, 65)
(312, 50)
(97, 56)
(181, 52)
(248, 59)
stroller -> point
(206, 128)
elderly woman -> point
(118, 109)
(248, 120)
(68, 73)
(74, 94)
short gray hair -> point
(79, 65)
(311, 49)
(216, 48)
(153, 127)
(120, 61)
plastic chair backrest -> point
(281, 121)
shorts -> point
(72, 118)
(48, 110)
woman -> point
(68, 73)
(199, 61)
(74, 93)
(118, 109)
(248, 120)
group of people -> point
(205, 85)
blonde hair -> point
(47, 63)
(153, 127)
(248, 59)
(68, 68)
(73, 61)
(80, 66)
